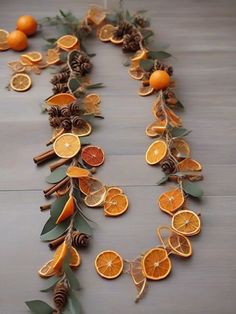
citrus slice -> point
(156, 264)
(117, 41)
(156, 152)
(136, 73)
(156, 128)
(180, 245)
(92, 98)
(67, 211)
(106, 32)
(92, 155)
(145, 90)
(77, 172)
(20, 82)
(26, 61)
(189, 165)
(47, 270)
(109, 264)
(74, 257)
(174, 120)
(112, 191)
(138, 277)
(117, 205)
(59, 256)
(61, 99)
(83, 128)
(33, 56)
(171, 200)
(3, 40)
(67, 41)
(138, 56)
(52, 56)
(16, 66)
(67, 145)
(180, 149)
(96, 198)
(88, 185)
(186, 222)
(96, 14)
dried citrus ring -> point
(96, 198)
(117, 205)
(74, 257)
(26, 61)
(52, 56)
(136, 73)
(186, 222)
(109, 264)
(145, 90)
(174, 120)
(106, 32)
(156, 152)
(92, 155)
(180, 149)
(67, 41)
(20, 82)
(88, 185)
(96, 14)
(67, 211)
(139, 55)
(171, 200)
(138, 277)
(156, 128)
(112, 191)
(92, 99)
(33, 56)
(3, 40)
(116, 41)
(189, 165)
(83, 128)
(16, 66)
(47, 270)
(77, 172)
(61, 99)
(67, 145)
(156, 264)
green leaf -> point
(57, 175)
(146, 65)
(180, 132)
(192, 189)
(127, 62)
(146, 33)
(73, 84)
(94, 86)
(39, 307)
(112, 18)
(57, 206)
(77, 194)
(56, 232)
(163, 180)
(51, 40)
(82, 225)
(63, 57)
(158, 54)
(50, 283)
(71, 277)
(49, 225)
(72, 306)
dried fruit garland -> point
(74, 185)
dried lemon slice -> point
(20, 82)
(67, 145)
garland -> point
(70, 111)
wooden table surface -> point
(201, 36)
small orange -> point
(67, 211)
(17, 41)
(159, 80)
(27, 24)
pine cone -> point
(131, 42)
(60, 88)
(81, 64)
(170, 97)
(54, 111)
(141, 21)
(66, 124)
(168, 166)
(80, 239)
(60, 78)
(161, 66)
(60, 295)
(55, 122)
(76, 122)
(75, 109)
(65, 112)
(123, 29)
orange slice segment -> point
(67, 145)
(33, 56)
(92, 98)
(180, 245)
(189, 165)
(186, 222)
(109, 264)
(16, 66)
(20, 82)
(77, 172)
(180, 149)
(88, 185)
(145, 90)
(47, 270)
(96, 14)
(106, 32)
(171, 200)
(117, 205)
(67, 211)
(156, 128)
(174, 120)
(52, 56)
(156, 152)
(61, 99)
(59, 256)
(74, 257)
(116, 41)
(83, 128)
(156, 264)
(92, 155)
(67, 41)
(138, 277)
(136, 73)
(96, 198)
(112, 191)
(3, 40)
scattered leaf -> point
(73, 306)
(180, 132)
(56, 232)
(39, 307)
(57, 206)
(71, 277)
(192, 189)
(49, 225)
(163, 180)
(50, 283)
(146, 65)
(159, 54)
(82, 225)
(57, 175)
(73, 84)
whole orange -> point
(17, 40)
(27, 24)
(159, 80)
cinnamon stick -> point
(45, 207)
(55, 137)
(58, 163)
(55, 187)
(55, 243)
(44, 156)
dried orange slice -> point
(20, 82)
(156, 152)
(180, 149)
(138, 277)
(67, 211)
(96, 14)
(116, 41)
(106, 32)
(59, 256)
(74, 257)
(3, 40)
(189, 165)
(67, 145)
(52, 56)
(112, 191)
(174, 120)
(156, 128)
(117, 205)
(33, 56)
(92, 155)
(16, 66)
(156, 264)
(171, 200)
(83, 128)
(26, 61)
(77, 172)
(109, 264)
(47, 270)
(88, 185)
(136, 73)
(138, 56)
(92, 99)
(67, 41)
(96, 198)
(145, 90)
(61, 99)
(186, 222)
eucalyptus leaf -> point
(72, 306)
(56, 232)
(112, 18)
(163, 180)
(57, 175)
(180, 132)
(81, 224)
(146, 33)
(158, 54)
(76, 194)
(73, 84)
(146, 65)
(71, 277)
(192, 189)
(57, 206)
(49, 225)
(39, 307)
(50, 283)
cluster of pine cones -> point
(130, 35)
(80, 64)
